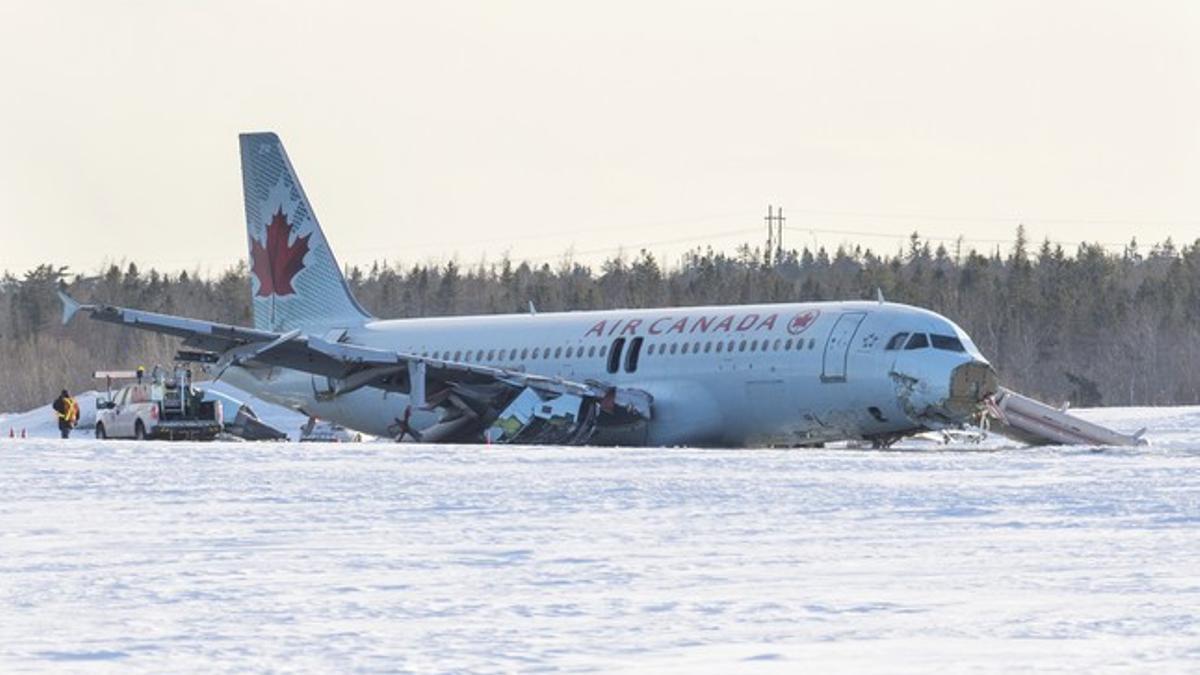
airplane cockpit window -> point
(947, 342)
(897, 341)
(917, 341)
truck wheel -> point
(139, 431)
(100, 433)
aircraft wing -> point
(429, 382)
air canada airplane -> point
(745, 375)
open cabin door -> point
(837, 347)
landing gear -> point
(884, 441)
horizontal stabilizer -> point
(70, 307)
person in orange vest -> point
(67, 411)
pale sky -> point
(428, 130)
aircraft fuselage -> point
(752, 375)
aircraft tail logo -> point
(295, 280)
(275, 261)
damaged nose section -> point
(970, 385)
(938, 403)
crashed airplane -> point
(752, 375)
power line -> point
(965, 240)
(1027, 219)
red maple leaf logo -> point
(275, 262)
(802, 321)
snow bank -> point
(42, 422)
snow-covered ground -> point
(264, 556)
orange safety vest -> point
(72, 413)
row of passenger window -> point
(535, 353)
(497, 355)
(720, 346)
(947, 343)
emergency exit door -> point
(837, 347)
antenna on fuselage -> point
(532, 309)
(879, 295)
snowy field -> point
(122, 556)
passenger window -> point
(603, 350)
(684, 348)
(674, 347)
(558, 352)
(897, 341)
(947, 343)
(650, 349)
(742, 346)
(720, 347)
(753, 345)
(524, 353)
(707, 347)
(917, 341)
(631, 357)
(776, 346)
(458, 356)
(812, 342)
(614, 356)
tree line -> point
(1089, 326)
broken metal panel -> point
(633, 401)
(535, 418)
(1037, 423)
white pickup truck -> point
(167, 408)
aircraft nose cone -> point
(970, 384)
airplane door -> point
(837, 347)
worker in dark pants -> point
(67, 412)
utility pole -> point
(770, 232)
(774, 235)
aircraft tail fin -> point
(295, 281)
